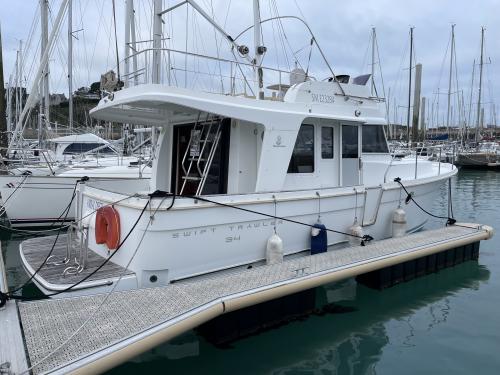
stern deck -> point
(51, 276)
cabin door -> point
(200, 157)
(328, 135)
(351, 157)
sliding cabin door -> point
(351, 154)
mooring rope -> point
(410, 197)
(364, 239)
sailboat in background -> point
(485, 155)
(49, 170)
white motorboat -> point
(300, 160)
(237, 181)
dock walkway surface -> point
(95, 333)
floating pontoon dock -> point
(124, 324)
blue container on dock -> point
(319, 239)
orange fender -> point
(107, 227)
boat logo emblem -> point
(357, 113)
(278, 142)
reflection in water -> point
(359, 338)
(350, 343)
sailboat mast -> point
(70, 64)
(44, 7)
(3, 123)
(478, 120)
(409, 88)
(450, 77)
(16, 93)
(374, 35)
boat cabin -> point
(77, 144)
(213, 144)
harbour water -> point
(446, 322)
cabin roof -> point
(152, 104)
(79, 138)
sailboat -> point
(241, 180)
(50, 174)
(484, 155)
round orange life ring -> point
(107, 227)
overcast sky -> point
(341, 28)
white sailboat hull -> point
(44, 200)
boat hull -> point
(38, 201)
(197, 238)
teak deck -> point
(35, 251)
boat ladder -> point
(77, 248)
(199, 154)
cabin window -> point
(79, 148)
(302, 160)
(327, 142)
(374, 139)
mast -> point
(16, 92)
(20, 76)
(450, 77)
(133, 45)
(374, 35)
(44, 7)
(38, 76)
(126, 52)
(70, 64)
(478, 122)
(157, 31)
(9, 106)
(259, 51)
(470, 98)
(3, 116)
(409, 89)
